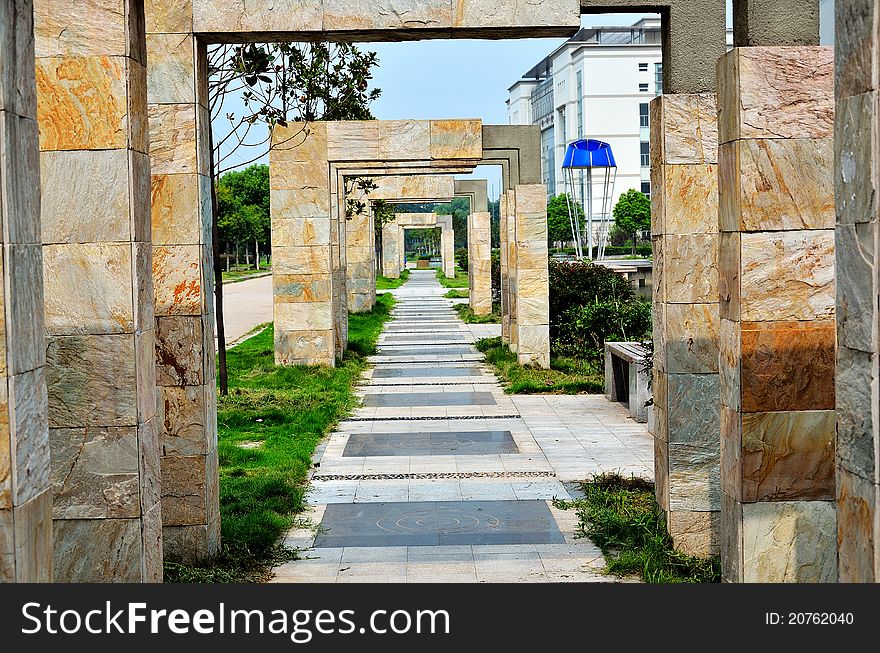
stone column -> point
(447, 245)
(302, 231)
(480, 262)
(183, 281)
(857, 180)
(391, 250)
(503, 204)
(25, 491)
(529, 286)
(777, 332)
(684, 229)
(104, 428)
(360, 268)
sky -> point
(469, 78)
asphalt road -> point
(246, 304)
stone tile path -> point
(441, 477)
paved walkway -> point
(441, 477)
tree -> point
(632, 214)
(459, 208)
(243, 207)
(277, 83)
(495, 222)
(558, 220)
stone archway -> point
(113, 355)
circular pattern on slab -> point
(431, 521)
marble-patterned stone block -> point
(456, 139)
(777, 185)
(856, 141)
(690, 272)
(684, 129)
(689, 199)
(26, 541)
(177, 279)
(788, 455)
(410, 136)
(762, 94)
(789, 542)
(82, 102)
(97, 297)
(855, 253)
(856, 383)
(175, 200)
(695, 533)
(179, 347)
(95, 472)
(173, 142)
(787, 275)
(691, 338)
(694, 476)
(260, 16)
(91, 380)
(171, 73)
(119, 559)
(787, 366)
(857, 528)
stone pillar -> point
(447, 245)
(25, 491)
(302, 231)
(777, 332)
(391, 250)
(857, 179)
(183, 281)
(480, 262)
(778, 22)
(104, 427)
(503, 204)
(529, 286)
(360, 268)
(684, 230)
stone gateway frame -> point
(135, 323)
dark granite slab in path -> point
(438, 523)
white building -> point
(598, 85)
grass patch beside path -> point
(456, 293)
(568, 376)
(467, 315)
(279, 414)
(620, 515)
(240, 275)
(460, 280)
(384, 283)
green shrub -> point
(425, 257)
(579, 283)
(461, 257)
(585, 329)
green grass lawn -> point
(240, 275)
(620, 515)
(460, 280)
(279, 414)
(457, 293)
(566, 375)
(467, 315)
(384, 283)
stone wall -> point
(684, 229)
(25, 483)
(104, 426)
(857, 181)
(777, 333)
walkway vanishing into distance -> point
(442, 477)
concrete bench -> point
(625, 380)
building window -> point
(644, 119)
(658, 78)
(580, 105)
(643, 67)
(646, 188)
(542, 101)
(646, 154)
(548, 160)
(562, 127)
(643, 88)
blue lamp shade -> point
(589, 153)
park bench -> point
(625, 379)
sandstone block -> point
(854, 267)
(25, 418)
(79, 29)
(311, 316)
(690, 199)
(694, 476)
(691, 338)
(857, 527)
(82, 103)
(97, 550)
(456, 139)
(91, 380)
(684, 129)
(695, 533)
(304, 347)
(168, 16)
(19, 160)
(179, 345)
(33, 539)
(177, 279)
(693, 404)
(856, 383)
(730, 364)
(175, 202)
(789, 541)
(24, 337)
(301, 260)
(171, 74)
(173, 138)
(95, 472)
(261, 16)
(691, 268)
(411, 138)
